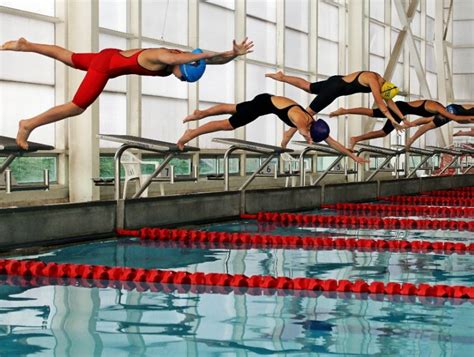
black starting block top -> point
(147, 144)
(318, 147)
(8, 146)
(376, 149)
(414, 150)
(249, 145)
(439, 150)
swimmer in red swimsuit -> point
(111, 63)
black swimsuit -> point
(332, 88)
(440, 120)
(247, 112)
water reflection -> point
(153, 319)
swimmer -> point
(425, 109)
(111, 63)
(292, 114)
(465, 111)
(336, 86)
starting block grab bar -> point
(134, 142)
(11, 150)
(238, 144)
(319, 148)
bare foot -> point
(352, 142)
(336, 113)
(22, 135)
(197, 114)
(184, 139)
(17, 45)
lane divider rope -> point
(418, 210)
(37, 268)
(247, 240)
(360, 222)
(426, 200)
(215, 289)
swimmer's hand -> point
(240, 49)
(398, 127)
(359, 160)
(278, 76)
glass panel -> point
(430, 8)
(38, 98)
(395, 19)
(463, 32)
(296, 49)
(113, 116)
(463, 60)
(165, 19)
(377, 39)
(216, 27)
(234, 164)
(430, 23)
(264, 35)
(113, 14)
(463, 10)
(21, 66)
(31, 169)
(230, 4)
(297, 14)
(44, 7)
(416, 24)
(162, 118)
(414, 83)
(431, 78)
(262, 9)
(463, 86)
(256, 82)
(377, 8)
(328, 21)
(377, 64)
(164, 86)
(430, 59)
(211, 88)
(327, 57)
(118, 84)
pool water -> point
(89, 319)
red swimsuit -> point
(108, 63)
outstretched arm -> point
(239, 49)
(459, 118)
(464, 133)
(342, 149)
(175, 57)
(294, 81)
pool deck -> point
(72, 222)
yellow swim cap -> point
(389, 90)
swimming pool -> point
(73, 317)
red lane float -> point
(247, 240)
(376, 294)
(440, 201)
(36, 268)
(462, 195)
(409, 210)
(363, 222)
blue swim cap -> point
(319, 130)
(191, 72)
(452, 109)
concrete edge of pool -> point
(64, 223)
